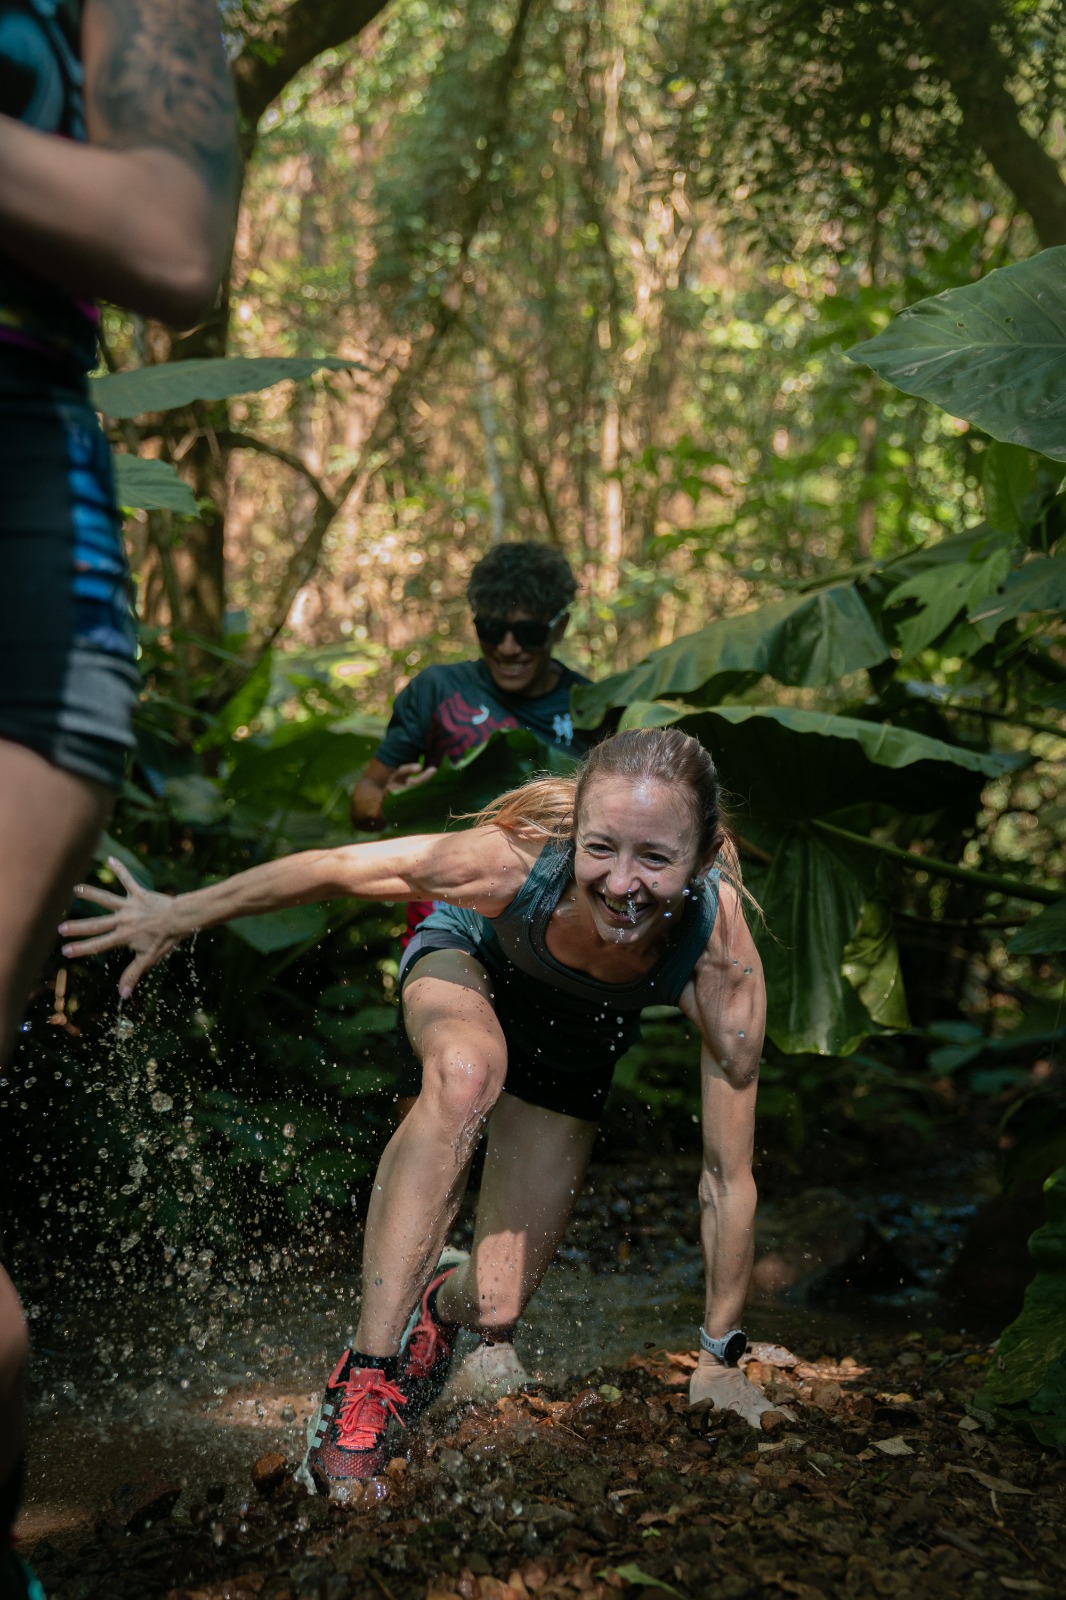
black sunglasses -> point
(528, 633)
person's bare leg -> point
(423, 1172)
(14, 1350)
(534, 1168)
(49, 822)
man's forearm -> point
(367, 798)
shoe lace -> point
(363, 1414)
(422, 1347)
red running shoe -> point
(349, 1437)
(426, 1353)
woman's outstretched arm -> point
(143, 213)
(481, 869)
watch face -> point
(734, 1348)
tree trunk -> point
(960, 37)
(268, 62)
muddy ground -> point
(888, 1482)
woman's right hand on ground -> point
(728, 1390)
(140, 919)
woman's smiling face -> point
(636, 851)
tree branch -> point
(961, 39)
(288, 44)
(232, 440)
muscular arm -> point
(727, 1002)
(481, 869)
(143, 214)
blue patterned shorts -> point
(68, 678)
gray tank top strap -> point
(520, 931)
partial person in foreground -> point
(118, 180)
(569, 906)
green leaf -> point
(631, 1573)
(1038, 585)
(506, 759)
(813, 898)
(280, 930)
(1044, 934)
(142, 484)
(993, 352)
(1009, 475)
(804, 641)
(241, 708)
(179, 383)
(195, 800)
(943, 592)
(871, 966)
(1026, 1379)
(791, 764)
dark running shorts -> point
(574, 1094)
(68, 678)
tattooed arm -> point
(143, 214)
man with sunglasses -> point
(520, 594)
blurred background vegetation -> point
(589, 271)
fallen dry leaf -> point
(892, 1447)
(987, 1481)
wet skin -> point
(635, 859)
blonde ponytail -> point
(542, 806)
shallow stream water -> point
(149, 1379)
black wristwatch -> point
(729, 1348)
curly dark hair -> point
(521, 576)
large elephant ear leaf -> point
(805, 641)
(143, 390)
(788, 764)
(993, 352)
(813, 899)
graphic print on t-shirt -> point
(459, 726)
(449, 711)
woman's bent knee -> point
(460, 1089)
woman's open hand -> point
(728, 1390)
(140, 919)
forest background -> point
(587, 273)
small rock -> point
(288, 1413)
(268, 1472)
(149, 1498)
(825, 1394)
(771, 1421)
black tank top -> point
(553, 1013)
(42, 84)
